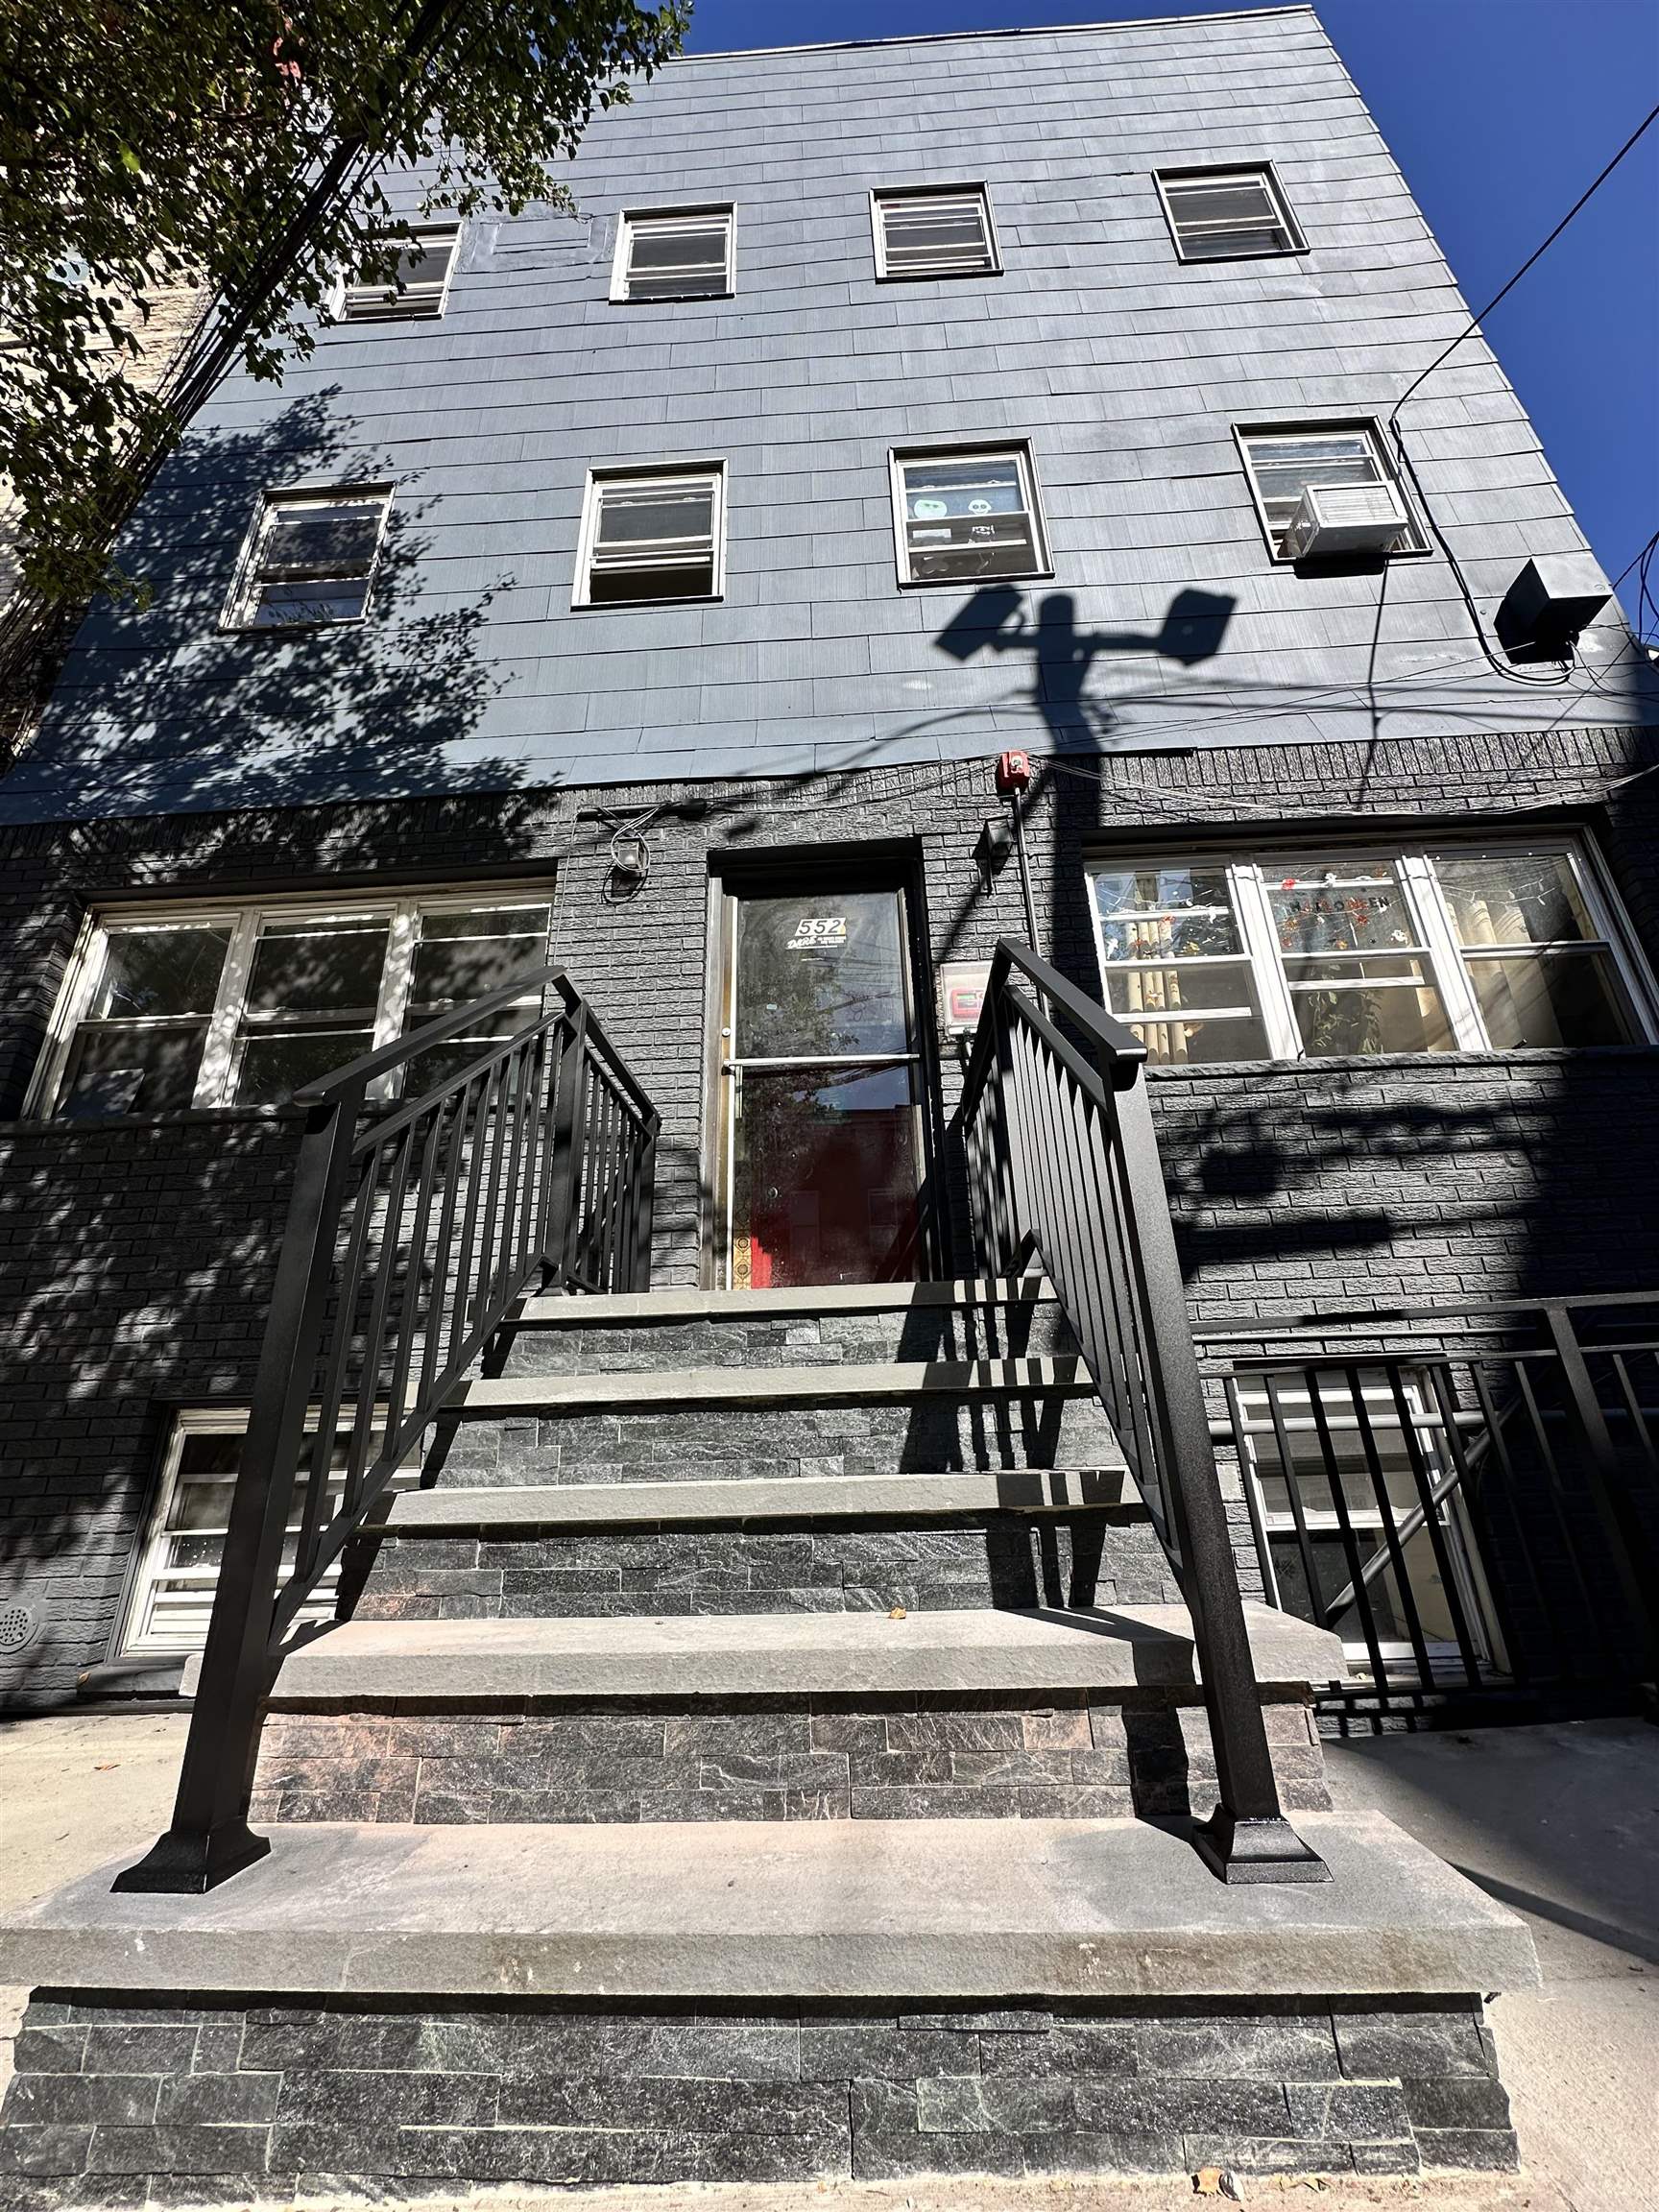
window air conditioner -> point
(1333, 518)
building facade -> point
(653, 587)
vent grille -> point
(19, 1625)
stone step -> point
(859, 1324)
(743, 1423)
(456, 1663)
(537, 1508)
(625, 1308)
(673, 1388)
(934, 1910)
(850, 1555)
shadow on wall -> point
(344, 712)
(1063, 656)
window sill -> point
(1412, 1063)
(975, 583)
(192, 1118)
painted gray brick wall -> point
(1124, 368)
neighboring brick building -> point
(660, 584)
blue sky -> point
(1500, 112)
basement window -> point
(1281, 464)
(170, 1009)
(934, 232)
(652, 536)
(310, 558)
(1228, 214)
(967, 512)
(421, 283)
(175, 1575)
(683, 253)
(1351, 952)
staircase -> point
(845, 1553)
(771, 1742)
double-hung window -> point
(681, 253)
(964, 513)
(176, 1572)
(654, 536)
(166, 1010)
(1306, 956)
(420, 283)
(934, 232)
(310, 557)
(1228, 214)
(1283, 463)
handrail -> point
(410, 1236)
(1063, 1164)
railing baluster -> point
(1058, 1140)
(503, 1151)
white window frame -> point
(1231, 173)
(216, 1076)
(134, 1638)
(1016, 449)
(1250, 871)
(1368, 426)
(357, 302)
(657, 472)
(881, 195)
(629, 220)
(243, 596)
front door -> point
(818, 1130)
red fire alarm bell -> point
(1013, 774)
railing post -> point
(210, 1838)
(1248, 1837)
(565, 1171)
(643, 1210)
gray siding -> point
(1123, 367)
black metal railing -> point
(412, 1231)
(1063, 1167)
(1467, 1493)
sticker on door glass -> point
(817, 930)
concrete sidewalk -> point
(1560, 1823)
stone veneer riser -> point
(118, 2103)
(1023, 1329)
(1011, 1756)
(1003, 1560)
(664, 1443)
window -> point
(1337, 1458)
(936, 233)
(310, 558)
(420, 287)
(1314, 956)
(966, 513)
(652, 536)
(685, 254)
(1226, 214)
(177, 1570)
(193, 1007)
(1282, 464)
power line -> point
(1475, 321)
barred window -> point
(1228, 214)
(935, 231)
(685, 254)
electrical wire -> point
(1505, 668)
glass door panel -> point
(818, 1144)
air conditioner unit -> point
(1333, 518)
